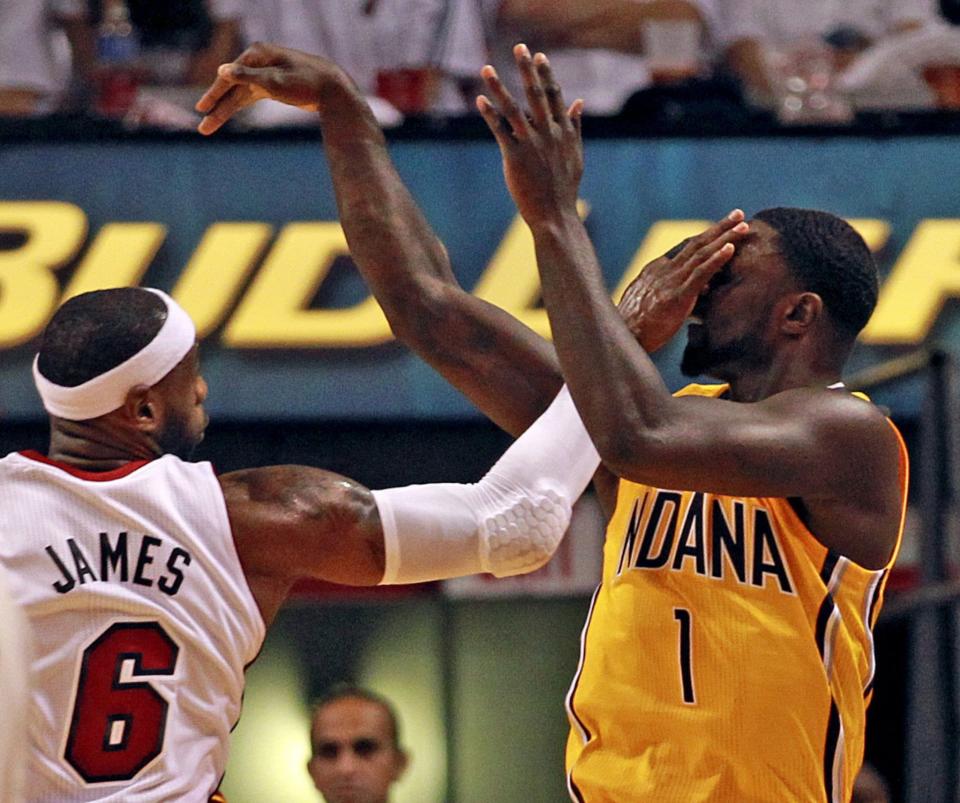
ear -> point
(400, 765)
(143, 408)
(803, 310)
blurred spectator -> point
(355, 738)
(407, 56)
(604, 50)
(181, 41)
(38, 41)
(755, 32)
(153, 58)
(919, 69)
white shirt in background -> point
(446, 34)
(779, 22)
(34, 54)
(605, 79)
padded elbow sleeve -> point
(520, 534)
(509, 523)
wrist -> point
(555, 223)
(335, 88)
(554, 219)
(345, 116)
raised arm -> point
(831, 450)
(507, 370)
(503, 367)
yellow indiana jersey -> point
(727, 655)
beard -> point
(720, 361)
(178, 438)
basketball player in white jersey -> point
(149, 581)
(14, 650)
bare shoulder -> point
(840, 419)
(860, 517)
(303, 488)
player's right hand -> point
(656, 304)
(267, 71)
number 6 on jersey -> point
(118, 721)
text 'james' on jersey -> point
(120, 558)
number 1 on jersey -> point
(685, 620)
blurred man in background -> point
(408, 57)
(605, 51)
(356, 752)
(755, 32)
(41, 44)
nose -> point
(347, 763)
(202, 390)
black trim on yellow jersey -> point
(583, 659)
(868, 624)
(829, 564)
(830, 748)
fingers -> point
(498, 125)
(536, 99)
(706, 237)
(702, 274)
(257, 55)
(728, 237)
(217, 90)
(503, 100)
(552, 91)
(235, 88)
(236, 98)
(224, 98)
(575, 114)
(706, 260)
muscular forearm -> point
(382, 222)
(504, 368)
(617, 389)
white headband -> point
(108, 391)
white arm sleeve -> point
(508, 523)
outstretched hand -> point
(656, 303)
(542, 151)
(267, 71)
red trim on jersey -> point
(93, 476)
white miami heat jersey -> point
(14, 655)
(142, 626)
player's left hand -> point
(542, 151)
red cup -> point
(410, 89)
(944, 80)
(116, 92)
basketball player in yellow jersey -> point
(728, 652)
